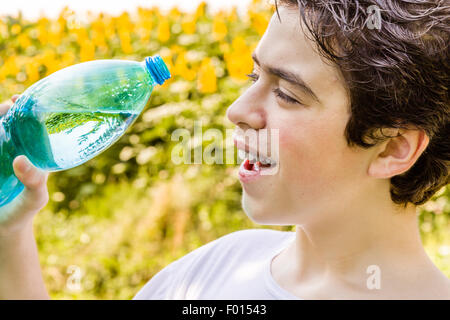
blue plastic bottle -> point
(74, 114)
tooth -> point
(273, 161)
(265, 160)
(241, 154)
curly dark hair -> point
(397, 77)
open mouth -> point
(255, 162)
(255, 166)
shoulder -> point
(229, 252)
(212, 261)
(433, 291)
(247, 241)
(430, 284)
(250, 239)
(446, 290)
(440, 288)
(255, 234)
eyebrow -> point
(288, 76)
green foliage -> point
(59, 122)
(129, 212)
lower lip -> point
(246, 175)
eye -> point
(253, 77)
(280, 94)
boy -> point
(363, 117)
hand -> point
(20, 212)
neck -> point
(344, 244)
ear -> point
(398, 154)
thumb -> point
(32, 177)
(30, 201)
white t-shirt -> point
(235, 266)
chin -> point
(267, 211)
(252, 209)
(262, 211)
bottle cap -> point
(157, 68)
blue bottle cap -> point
(157, 68)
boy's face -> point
(318, 173)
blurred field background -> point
(115, 221)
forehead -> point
(285, 45)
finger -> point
(4, 108)
(32, 177)
(35, 194)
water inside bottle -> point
(61, 139)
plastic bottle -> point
(74, 114)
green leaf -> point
(59, 122)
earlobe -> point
(398, 154)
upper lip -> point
(251, 150)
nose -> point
(247, 111)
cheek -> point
(302, 140)
(310, 151)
